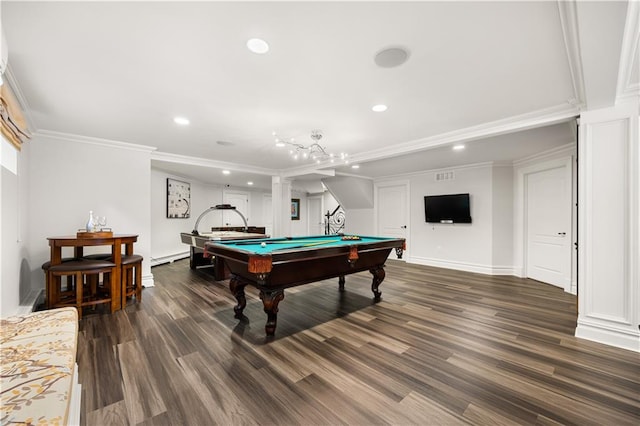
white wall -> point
(15, 284)
(166, 244)
(502, 219)
(70, 177)
(359, 222)
(456, 246)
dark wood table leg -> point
(341, 283)
(378, 276)
(237, 285)
(192, 258)
(270, 300)
(116, 277)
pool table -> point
(274, 264)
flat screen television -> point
(450, 208)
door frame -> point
(407, 209)
(520, 216)
(309, 198)
(225, 195)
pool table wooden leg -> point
(378, 276)
(341, 283)
(270, 300)
(237, 285)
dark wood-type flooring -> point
(441, 347)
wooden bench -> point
(39, 371)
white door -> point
(393, 219)
(314, 215)
(548, 226)
(240, 200)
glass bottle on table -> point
(91, 224)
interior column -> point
(281, 196)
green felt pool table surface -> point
(274, 245)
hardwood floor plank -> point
(140, 388)
(440, 347)
(224, 407)
(425, 412)
(114, 415)
(485, 416)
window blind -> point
(12, 122)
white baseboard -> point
(155, 261)
(147, 280)
(73, 417)
(463, 266)
(625, 339)
(28, 305)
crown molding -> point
(567, 150)
(203, 162)
(629, 53)
(569, 23)
(354, 175)
(69, 137)
(481, 165)
(306, 170)
(22, 100)
(540, 118)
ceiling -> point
(504, 78)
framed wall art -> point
(178, 199)
(295, 209)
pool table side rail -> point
(222, 248)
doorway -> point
(548, 230)
(392, 211)
(240, 200)
(315, 222)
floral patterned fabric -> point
(38, 357)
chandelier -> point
(314, 151)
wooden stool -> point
(47, 285)
(131, 278)
(80, 269)
(131, 283)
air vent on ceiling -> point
(441, 176)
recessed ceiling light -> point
(379, 108)
(181, 121)
(355, 166)
(279, 144)
(257, 45)
(249, 183)
(225, 143)
(458, 147)
(226, 172)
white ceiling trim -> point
(629, 53)
(94, 141)
(439, 169)
(203, 162)
(308, 171)
(22, 100)
(568, 149)
(526, 121)
(569, 24)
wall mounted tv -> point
(450, 208)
